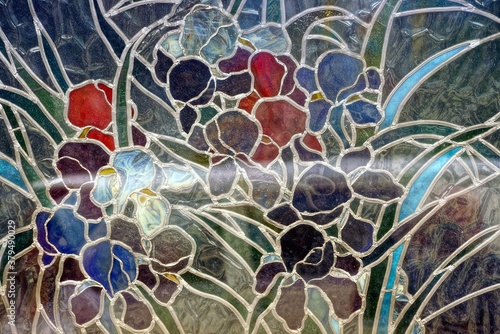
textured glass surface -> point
(249, 166)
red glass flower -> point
(90, 105)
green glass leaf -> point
(182, 150)
(408, 317)
(247, 252)
(319, 307)
(298, 27)
(388, 220)
(207, 114)
(373, 294)
(263, 304)
(251, 212)
(122, 108)
(412, 171)
(34, 111)
(406, 88)
(14, 125)
(471, 134)
(273, 11)
(210, 288)
(161, 311)
(35, 180)
(377, 35)
(112, 37)
(486, 152)
(23, 240)
(55, 66)
(51, 103)
(406, 131)
(255, 234)
(3, 49)
(311, 327)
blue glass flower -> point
(61, 232)
(130, 171)
(341, 79)
(110, 264)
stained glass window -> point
(249, 166)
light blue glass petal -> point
(401, 93)
(178, 179)
(202, 25)
(103, 189)
(172, 45)
(269, 38)
(136, 170)
(10, 173)
(221, 45)
(152, 212)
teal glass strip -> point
(401, 93)
(10, 173)
(409, 206)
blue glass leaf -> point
(251, 14)
(273, 11)
(54, 65)
(111, 35)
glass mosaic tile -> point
(246, 166)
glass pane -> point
(244, 166)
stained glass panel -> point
(246, 166)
